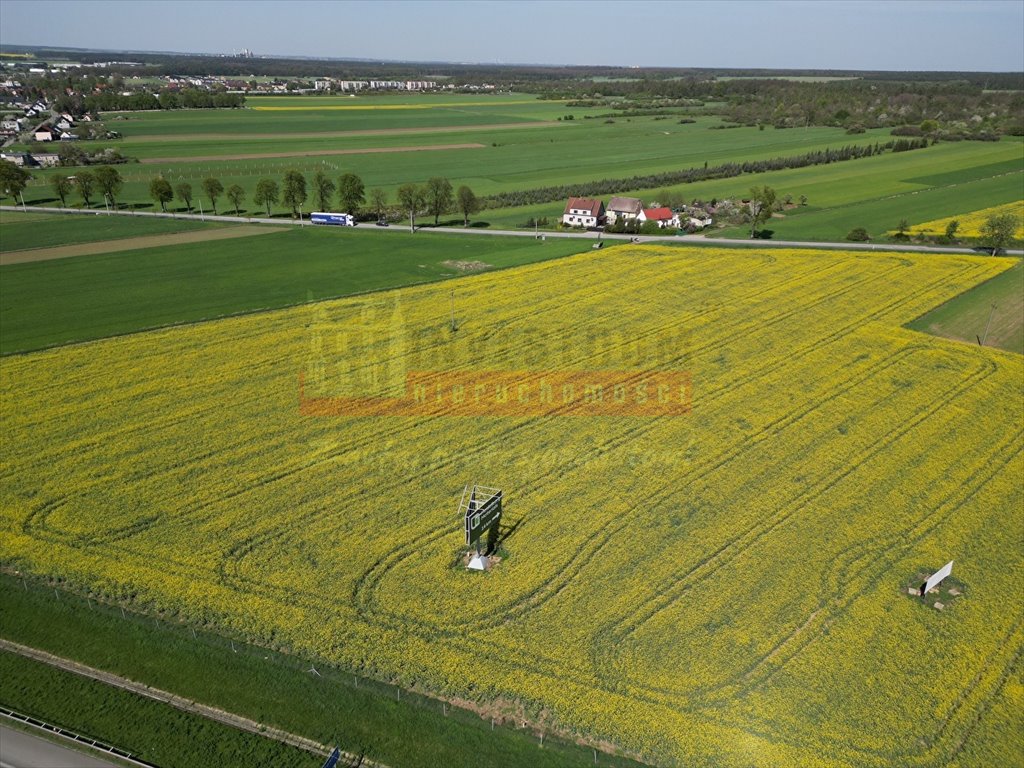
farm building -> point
(583, 212)
(698, 222)
(46, 159)
(626, 208)
(663, 216)
(19, 159)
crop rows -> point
(724, 583)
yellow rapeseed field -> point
(721, 584)
(971, 223)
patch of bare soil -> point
(133, 243)
(467, 266)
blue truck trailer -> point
(337, 219)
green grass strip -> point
(83, 298)
(396, 727)
(149, 730)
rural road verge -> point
(185, 705)
(607, 237)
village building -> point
(583, 212)
(20, 159)
(624, 208)
(663, 217)
(46, 159)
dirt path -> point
(133, 244)
(170, 137)
(308, 153)
(185, 705)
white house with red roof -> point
(663, 216)
(583, 212)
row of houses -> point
(32, 159)
(586, 212)
(326, 83)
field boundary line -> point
(142, 242)
(178, 702)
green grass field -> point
(150, 730)
(287, 114)
(19, 231)
(873, 192)
(966, 317)
(569, 152)
(335, 708)
(89, 297)
(522, 158)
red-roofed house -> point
(663, 216)
(583, 212)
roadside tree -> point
(184, 193)
(236, 195)
(467, 202)
(109, 181)
(61, 187)
(85, 181)
(762, 201)
(294, 192)
(951, 229)
(213, 189)
(351, 193)
(267, 193)
(439, 196)
(997, 232)
(323, 190)
(13, 179)
(160, 190)
(379, 202)
(412, 198)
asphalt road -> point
(607, 237)
(19, 749)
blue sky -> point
(979, 35)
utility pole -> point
(454, 326)
(989, 323)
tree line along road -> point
(597, 236)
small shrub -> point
(858, 235)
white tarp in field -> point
(938, 576)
